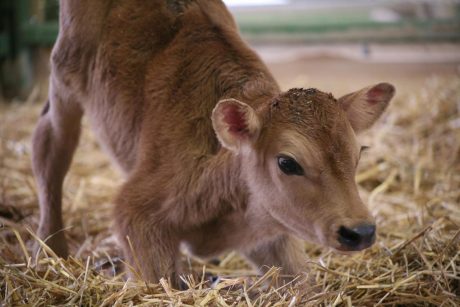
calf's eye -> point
(289, 166)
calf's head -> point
(298, 156)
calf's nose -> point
(358, 237)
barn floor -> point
(410, 177)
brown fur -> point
(149, 74)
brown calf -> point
(216, 157)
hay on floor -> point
(410, 178)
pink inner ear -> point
(234, 119)
(375, 95)
(379, 93)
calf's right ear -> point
(236, 124)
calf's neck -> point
(216, 156)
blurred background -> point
(329, 44)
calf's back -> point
(151, 72)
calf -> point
(216, 157)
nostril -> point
(357, 237)
(367, 232)
(348, 236)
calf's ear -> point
(235, 124)
(365, 106)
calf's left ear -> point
(365, 106)
(235, 124)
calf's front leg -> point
(285, 252)
(149, 241)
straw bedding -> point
(410, 178)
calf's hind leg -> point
(53, 144)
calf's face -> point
(299, 155)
